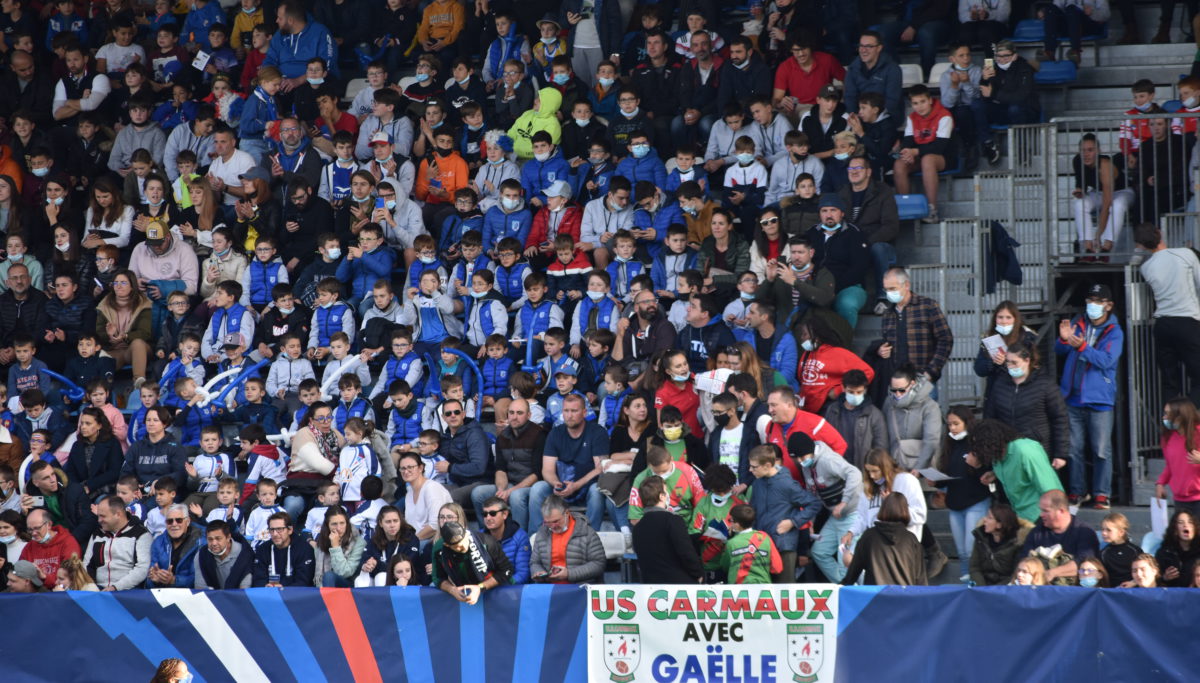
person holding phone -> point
(468, 563)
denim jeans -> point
(962, 523)
(883, 257)
(825, 549)
(256, 148)
(539, 492)
(1091, 437)
(849, 302)
(330, 579)
(295, 505)
(518, 502)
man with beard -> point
(639, 339)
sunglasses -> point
(768, 221)
(176, 520)
(452, 412)
(323, 418)
(899, 392)
(492, 513)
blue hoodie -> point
(649, 167)
(363, 272)
(658, 269)
(259, 110)
(198, 23)
(784, 356)
(699, 342)
(291, 52)
(497, 225)
(667, 215)
(455, 226)
(536, 175)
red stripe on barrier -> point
(348, 624)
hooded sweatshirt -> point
(887, 555)
(914, 416)
(929, 134)
(534, 120)
(122, 559)
(50, 555)
(150, 138)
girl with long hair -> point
(967, 499)
(1179, 442)
(1008, 323)
(393, 537)
(108, 220)
(339, 550)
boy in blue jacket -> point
(654, 215)
(671, 261)
(255, 409)
(509, 218)
(590, 181)
(404, 415)
(427, 259)
(465, 218)
(535, 317)
(192, 417)
(686, 170)
(352, 404)
(643, 163)
(187, 363)
(366, 263)
(473, 260)
(27, 372)
(546, 166)
(625, 266)
(259, 278)
(66, 21)
(149, 395)
(37, 415)
(497, 368)
(510, 272)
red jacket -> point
(569, 224)
(821, 371)
(933, 129)
(48, 556)
(812, 425)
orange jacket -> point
(10, 167)
(452, 174)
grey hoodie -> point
(915, 416)
(834, 479)
(130, 139)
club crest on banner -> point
(806, 651)
(622, 651)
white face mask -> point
(542, 156)
(959, 436)
(855, 399)
(1004, 66)
(1004, 329)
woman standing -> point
(109, 220)
(1179, 550)
(888, 554)
(1010, 326)
(1028, 400)
(123, 325)
(967, 498)
(998, 541)
(882, 478)
(96, 458)
(627, 446)
(393, 537)
(1181, 459)
(315, 449)
(339, 551)
(1019, 464)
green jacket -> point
(536, 120)
(750, 557)
(1025, 474)
(737, 257)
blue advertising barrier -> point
(537, 634)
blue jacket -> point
(495, 376)
(455, 226)
(256, 413)
(884, 79)
(291, 52)
(168, 115)
(57, 24)
(537, 175)
(1089, 378)
(658, 270)
(620, 286)
(363, 272)
(649, 167)
(198, 23)
(57, 424)
(259, 110)
(190, 419)
(516, 546)
(263, 277)
(405, 425)
(777, 498)
(497, 225)
(359, 407)
(586, 172)
(674, 181)
(667, 215)
(784, 356)
(510, 282)
(185, 569)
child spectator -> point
(485, 313)
(473, 261)
(565, 380)
(261, 276)
(926, 145)
(510, 271)
(599, 311)
(209, 468)
(35, 415)
(465, 219)
(426, 261)
(671, 261)
(735, 311)
(327, 497)
(509, 218)
(404, 364)
(577, 139)
(28, 372)
(625, 268)
(495, 169)
(745, 181)
(131, 494)
(525, 386)
(686, 170)
(225, 509)
(356, 461)
(1136, 131)
(242, 33)
(366, 263)
(18, 252)
(787, 168)
(428, 444)
(115, 57)
(228, 317)
(430, 314)
(366, 512)
(98, 393)
(496, 369)
(441, 22)
(591, 180)
(566, 275)
(201, 17)
(749, 556)
(473, 128)
(510, 44)
(1119, 551)
(450, 389)
(185, 164)
(352, 404)
(404, 415)
(192, 416)
(546, 166)
(263, 460)
(596, 356)
(310, 393)
(616, 389)
(260, 114)
(186, 363)
(254, 410)
(329, 316)
(178, 110)
(380, 319)
(149, 397)
(340, 357)
(335, 176)
(164, 489)
(557, 218)
(287, 373)
(643, 162)
(873, 126)
(535, 316)
(66, 21)
(284, 317)
(556, 358)
(255, 527)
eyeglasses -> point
(492, 513)
(856, 168)
(275, 529)
(121, 283)
(323, 418)
(862, 46)
(176, 520)
(452, 412)
(292, 129)
(410, 468)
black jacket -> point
(701, 343)
(76, 509)
(314, 219)
(889, 555)
(1035, 409)
(301, 561)
(664, 550)
(22, 317)
(1015, 86)
(37, 98)
(878, 219)
(274, 325)
(695, 94)
(104, 468)
(845, 254)
(738, 85)
(658, 89)
(242, 566)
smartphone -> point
(272, 578)
(379, 203)
(39, 501)
(541, 576)
(989, 63)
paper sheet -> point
(1158, 516)
(994, 343)
(201, 60)
(935, 475)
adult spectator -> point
(782, 507)
(998, 541)
(228, 166)
(50, 543)
(1174, 276)
(566, 549)
(423, 497)
(225, 562)
(888, 554)
(13, 531)
(596, 33)
(96, 458)
(641, 337)
(1057, 527)
(195, 136)
(743, 75)
(282, 562)
(926, 23)
(304, 218)
(78, 90)
(513, 540)
(1020, 465)
(800, 78)
(823, 360)
(705, 331)
(392, 540)
(1102, 187)
(859, 422)
(25, 578)
(871, 206)
(69, 311)
(1009, 324)
(1092, 343)
(22, 311)
(913, 419)
(1179, 552)
(1027, 400)
(118, 556)
(173, 554)
(772, 341)
(1144, 572)
(1008, 90)
(698, 85)
(841, 248)
(664, 549)
(874, 71)
(339, 551)
(914, 329)
(295, 158)
(156, 454)
(571, 461)
(1162, 177)
(519, 448)
(981, 22)
(787, 418)
(468, 461)
(657, 81)
(797, 288)
(1072, 22)
(298, 41)
(164, 263)
(468, 563)
(25, 87)
(965, 496)
(315, 448)
(839, 485)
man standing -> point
(871, 206)
(705, 331)
(51, 546)
(874, 71)
(468, 563)
(66, 503)
(566, 549)
(225, 562)
(297, 42)
(1174, 277)
(173, 554)
(1057, 528)
(915, 329)
(657, 81)
(838, 484)
(664, 549)
(281, 562)
(119, 556)
(1092, 343)
(468, 458)
(519, 448)
(857, 419)
(571, 461)
(841, 248)
(787, 419)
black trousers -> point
(1176, 344)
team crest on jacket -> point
(805, 649)
(622, 651)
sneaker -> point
(627, 534)
(881, 307)
(1074, 56)
(932, 217)
(992, 152)
(1101, 503)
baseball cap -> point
(156, 233)
(381, 138)
(559, 188)
(567, 369)
(1099, 291)
(28, 571)
(256, 173)
(452, 533)
(233, 340)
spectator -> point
(1063, 19)
(465, 447)
(22, 311)
(392, 539)
(641, 338)
(156, 454)
(981, 22)
(926, 145)
(1145, 572)
(50, 543)
(914, 420)
(914, 329)
(966, 498)
(822, 123)
(1030, 571)
(79, 90)
(96, 458)
(119, 558)
(1180, 421)
(519, 448)
(823, 362)
(25, 577)
(1020, 465)
(1101, 187)
(1162, 174)
(298, 41)
(698, 91)
(1119, 553)
(872, 207)
(1179, 551)
(1009, 325)
(888, 553)
(1028, 401)
(664, 550)
(799, 79)
(858, 420)
(659, 75)
(782, 507)
(998, 538)
(1176, 309)
(513, 540)
(282, 562)
(468, 563)
(423, 497)
(1058, 528)
(841, 248)
(225, 562)
(65, 503)
(571, 461)
(838, 484)
(164, 263)
(72, 575)
(1008, 92)
(959, 93)
(339, 549)
(173, 554)
(578, 559)
(874, 71)
(743, 75)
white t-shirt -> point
(731, 446)
(586, 34)
(119, 58)
(424, 512)
(228, 171)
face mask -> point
(368, 197)
(1168, 424)
(595, 296)
(958, 68)
(497, 162)
(64, 248)
(855, 400)
(679, 378)
(631, 114)
(543, 156)
(421, 78)
(746, 296)
(688, 174)
(428, 259)
(57, 201)
(640, 151)
(623, 259)
(334, 253)
(548, 41)
(286, 311)
(720, 500)
(1004, 329)
(15, 257)
(606, 82)
(808, 463)
(880, 481)
(326, 305)
(895, 296)
(582, 123)
(808, 345)
(7, 539)
(800, 269)
(672, 433)
(1005, 66)
(477, 295)
(597, 161)
(721, 420)
(41, 172)
(1191, 102)
(1095, 311)
(315, 81)
(390, 204)
(841, 156)
(741, 65)
(691, 211)
(1089, 581)
(155, 205)
(959, 436)
(1016, 373)
(510, 204)
(744, 158)
(561, 79)
(474, 128)
(47, 538)
(463, 82)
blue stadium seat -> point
(1056, 73)
(1029, 31)
(912, 206)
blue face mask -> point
(334, 253)
(510, 204)
(746, 296)
(41, 172)
(808, 463)
(497, 162)
(561, 79)
(390, 204)
(623, 259)
(156, 204)
(808, 345)
(842, 156)
(1016, 373)
(1168, 424)
(595, 296)
(57, 201)
(744, 158)
(421, 78)
(606, 82)
(326, 305)
(640, 151)
(894, 296)
(477, 295)
(428, 259)
(1095, 311)
(1089, 581)
(315, 81)
(474, 128)
(679, 378)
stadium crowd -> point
(550, 270)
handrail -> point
(1123, 116)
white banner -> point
(712, 634)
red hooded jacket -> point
(48, 556)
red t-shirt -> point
(804, 85)
(685, 400)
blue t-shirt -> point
(575, 455)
